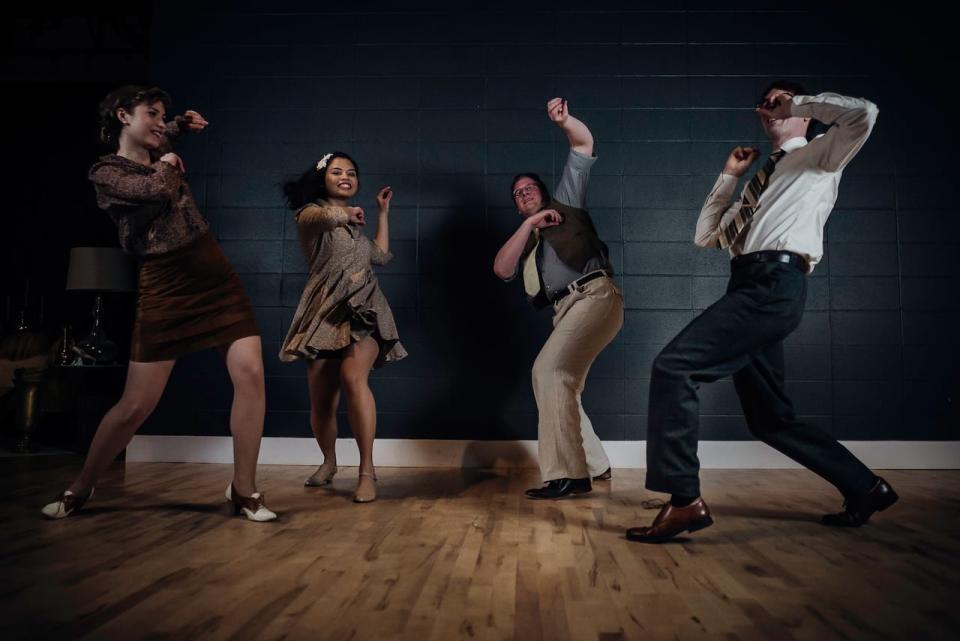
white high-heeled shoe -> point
(68, 503)
(253, 506)
(322, 476)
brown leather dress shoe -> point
(671, 521)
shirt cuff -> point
(725, 185)
(802, 106)
(162, 166)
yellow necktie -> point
(531, 278)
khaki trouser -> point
(584, 322)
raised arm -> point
(851, 121)
(117, 184)
(322, 219)
(576, 131)
(718, 200)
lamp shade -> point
(99, 269)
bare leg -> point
(323, 379)
(142, 391)
(245, 365)
(355, 369)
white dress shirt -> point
(803, 188)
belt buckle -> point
(581, 282)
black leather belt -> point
(583, 280)
(788, 258)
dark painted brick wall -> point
(447, 106)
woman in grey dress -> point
(343, 326)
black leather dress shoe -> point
(559, 488)
(858, 511)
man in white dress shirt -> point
(774, 233)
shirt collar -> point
(793, 144)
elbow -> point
(584, 146)
(704, 240)
(863, 125)
(860, 130)
(501, 272)
(872, 112)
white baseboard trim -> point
(918, 455)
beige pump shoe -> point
(323, 476)
(366, 489)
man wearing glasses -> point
(774, 233)
(563, 262)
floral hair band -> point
(323, 161)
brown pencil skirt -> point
(188, 300)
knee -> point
(549, 373)
(134, 411)
(248, 376)
(541, 371)
(353, 380)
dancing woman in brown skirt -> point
(189, 297)
(343, 326)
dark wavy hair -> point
(126, 98)
(311, 185)
(544, 192)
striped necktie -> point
(749, 202)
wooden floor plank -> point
(460, 554)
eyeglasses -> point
(768, 104)
(526, 189)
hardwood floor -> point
(460, 554)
